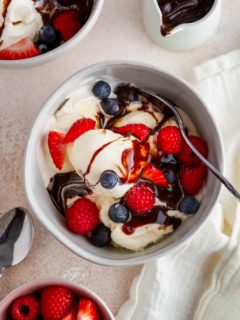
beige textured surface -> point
(119, 34)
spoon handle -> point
(214, 170)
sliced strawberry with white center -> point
(71, 314)
(23, 49)
(152, 173)
(139, 130)
(78, 128)
(87, 310)
(57, 148)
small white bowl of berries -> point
(53, 299)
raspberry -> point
(55, 302)
(83, 216)
(192, 178)
(169, 140)
(186, 155)
(140, 198)
(25, 308)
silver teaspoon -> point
(164, 104)
(16, 237)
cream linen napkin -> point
(201, 279)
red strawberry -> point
(23, 49)
(169, 140)
(192, 178)
(67, 23)
(140, 198)
(71, 314)
(152, 173)
(83, 216)
(186, 155)
(55, 302)
(87, 310)
(57, 148)
(78, 128)
(138, 130)
(25, 308)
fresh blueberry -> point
(47, 34)
(101, 236)
(101, 89)
(109, 179)
(110, 106)
(42, 48)
(118, 213)
(168, 158)
(188, 205)
(170, 176)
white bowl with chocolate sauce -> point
(180, 26)
(60, 49)
(146, 77)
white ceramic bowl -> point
(144, 76)
(68, 45)
(186, 36)
(34, 286)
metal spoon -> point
(165, 106)
(16, 237)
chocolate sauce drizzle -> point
(67, 185)
(64, 186)
(176, 12)
(50, 8)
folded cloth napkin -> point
(201, 279)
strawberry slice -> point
(57, 148)
(155, 175)
(23, 49)
(139, 130)
(67, 23)
(78, 128)
(87, 310)
(71, 314)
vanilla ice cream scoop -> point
(97, 151)
(22, 20)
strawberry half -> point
(152, 173)
(67, 23)
(57, 148)
(87, 310)
(78, 128)
(139, 130)
(23, 49)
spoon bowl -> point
(16, 237)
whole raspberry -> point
(140, 198)
(192, 178)
(187, 156)
(169, 140)
(55, 302)
(83, 216)
(25, 308)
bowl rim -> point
(63, 48)
(58, 281)
(54, 231)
